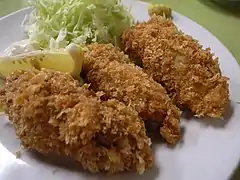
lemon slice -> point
(68, 60)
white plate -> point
(209, 152)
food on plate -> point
(69, 60)
(110, 71)
(55, 24)
(51, 113)
(2, 81)
(160, 10)
(18, 154)
(20, 47)
(190, 74)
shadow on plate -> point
(157, 140)
(153, 134)
(65, 163)
(228, 7)
(214, 122)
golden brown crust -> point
(190, 74)
(109, 72)
(52, 114)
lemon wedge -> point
(68, 60)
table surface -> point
(219, 20)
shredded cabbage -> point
(57, 23)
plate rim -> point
(192, 21)
(14, 13)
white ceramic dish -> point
(210, 151)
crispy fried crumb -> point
(52, 114)
(190, 74)
(18, 154)
(110, 71)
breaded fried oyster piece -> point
(110, 71)
(51, 113)
(190, 74)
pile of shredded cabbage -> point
(57, 23)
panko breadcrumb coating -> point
(51, 113)
(190, 74)
(108, 70)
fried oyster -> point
(51, 113)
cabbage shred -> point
(57, 23)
